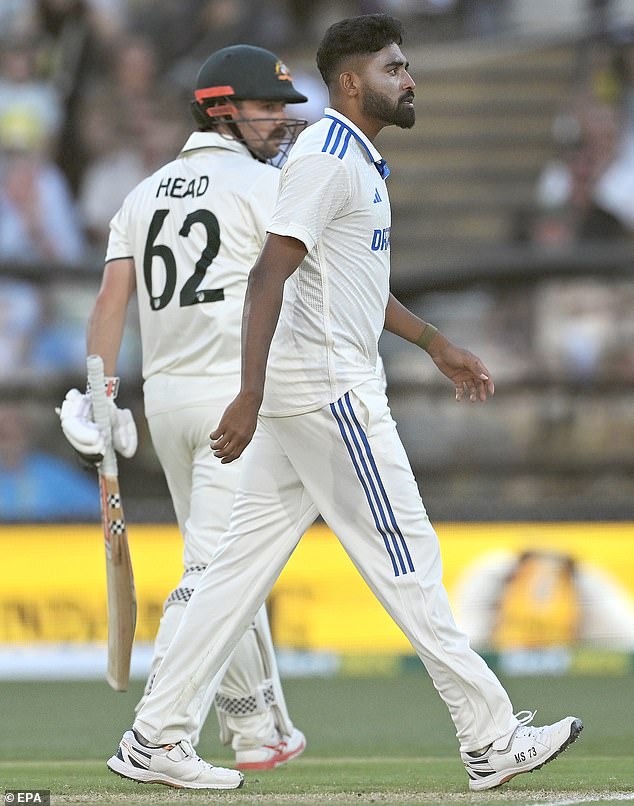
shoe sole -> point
(141, 776)
(576, 726)
(272, 763)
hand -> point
(466, 371)
(235, 429)
(84, 435)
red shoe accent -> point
(281, 755)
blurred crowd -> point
(586, 191)
(94, 96)
(585, 195)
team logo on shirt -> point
(377, 198)
(381, 239)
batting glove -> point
(84, 435)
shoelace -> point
(188, 749)
(525, 717)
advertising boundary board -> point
(52, 585)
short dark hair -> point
(353, 36)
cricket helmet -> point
(240, 73)
(246, 73)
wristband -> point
(425, 338)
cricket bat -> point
(119, 574)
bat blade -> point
(120, 585)
(119, 574)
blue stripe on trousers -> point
(368, 474)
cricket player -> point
(185, 239)
(318, 436)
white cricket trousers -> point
(202, 491)
(345, 461)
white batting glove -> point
(124, 433)
(84, 435)
(79, 428)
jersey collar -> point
(366, 144)
(198, 140)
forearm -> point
(402, 322)
(105, 332)
(262, 306)
(107, 320)
(464, 369)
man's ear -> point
(349, 83)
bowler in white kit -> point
(318, 438)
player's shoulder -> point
(252, 170)
(252, 179)
(313, 138)
(146, 186)
(329, 143)
(235, 168)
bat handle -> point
(94, 368)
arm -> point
(465, 370)
(107, 320)
(279, 258)
(105, 331)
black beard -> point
(378, 106)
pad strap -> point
(260, 701)
(183, 593)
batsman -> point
(185, 240)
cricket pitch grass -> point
(386, 740)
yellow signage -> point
(52, 580)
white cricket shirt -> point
(194, 229)
(334, 199)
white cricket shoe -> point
(528, 749)
(269, 756)
(175, 765)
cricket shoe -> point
(269, 756)
(175, 765)
(528, 749)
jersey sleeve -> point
(119, 245)
(314, 190)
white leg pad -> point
(173, 610)
(263, 631)
(250, 703)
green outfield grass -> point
(383, 740)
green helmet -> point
(240, 73)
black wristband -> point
(425, 338)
